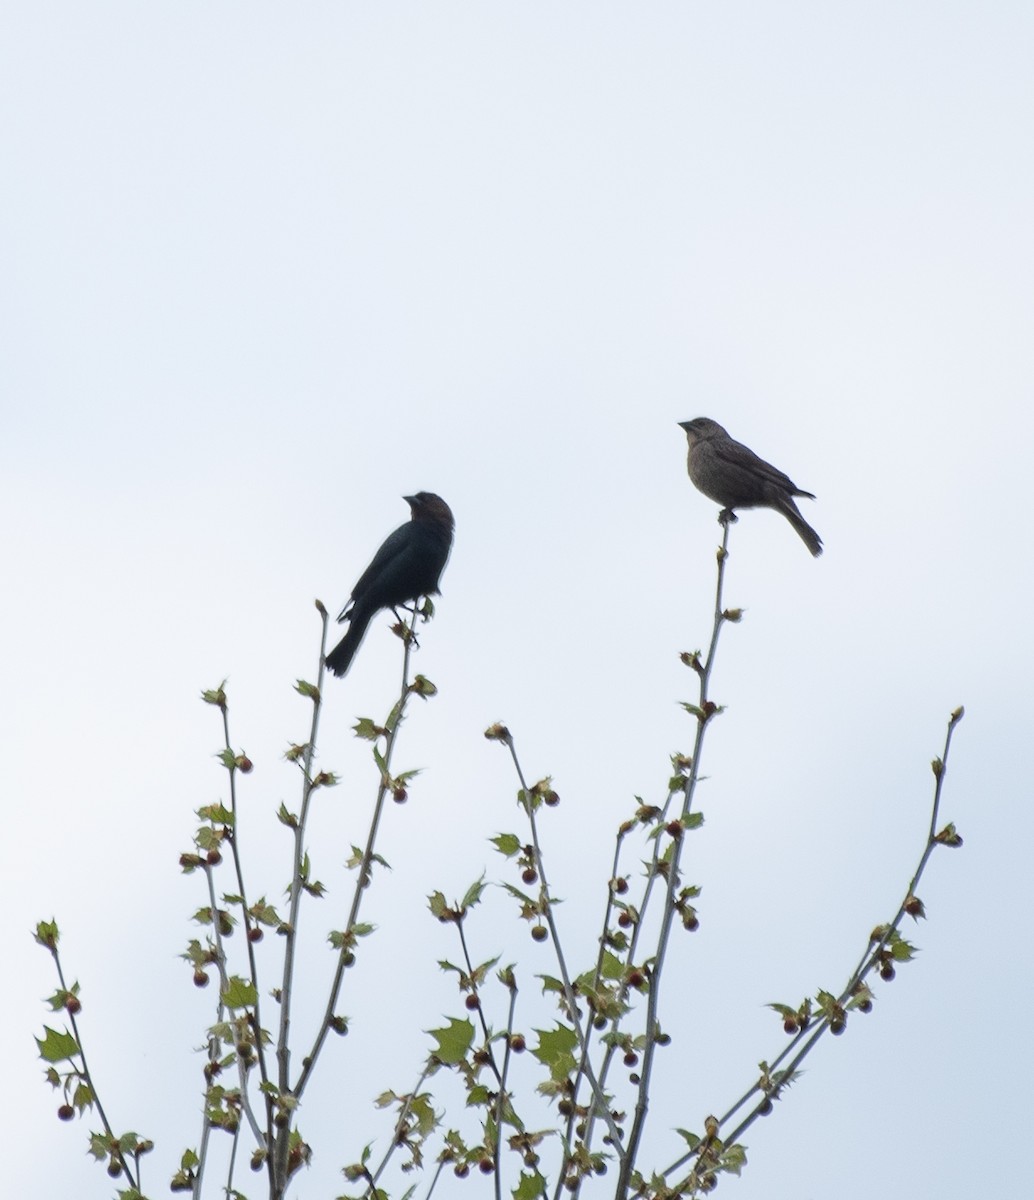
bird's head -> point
(426, 506)
(702, 428)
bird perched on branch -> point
(408, 565)
(734, 477)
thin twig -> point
(705, 710)
(804, 1042)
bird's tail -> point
(807, 535)
(340, 658)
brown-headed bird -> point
(734, 477)
(408, 565)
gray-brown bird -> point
(734, 477)
(408, 565)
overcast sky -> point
(265, 268)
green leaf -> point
(734, 1159)
(692, 1140)
(529, 1187)
(507, 843)
(556, 1050)
(472, 895)
(366, 729)
(454, 1041)
(56, 1047)
(239, 993)
(47, 934)
(612, 967)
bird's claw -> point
(727, 517)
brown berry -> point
(472, 1002)
(461, 1170)
(66, 1112)
(255, 934)
(517, 1043)
(73, 1005)
(631, 1059)
(539, 933)
(529, 875)
(790, 1026)
(486, 1166)
(887, 972)
(837, 1026)
(213, 857)
(200, 978)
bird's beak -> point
(409, 499)
(684, 425)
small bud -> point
(339, 1025)
(765, 1107)
(244, 764)
(472, 1002)
(399, 795)
(73, 1005)
(517, 1043)
(619, 886)
(498, 733)
(213, 857)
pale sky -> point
(265, 269)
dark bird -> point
(408, 565)
(734, 477)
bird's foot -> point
(727, 517)
(403, 628)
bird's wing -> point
(394, 546)
(744, 459)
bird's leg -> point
(727, 517)
(411, 629)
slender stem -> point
(365, 865)
(805, 1040)
(224, 980)
(481, 1015)
(672, 868)
(501, 1094)
(283, 1052)
(599, 1099)
(403, 1113)
(85, 1072)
